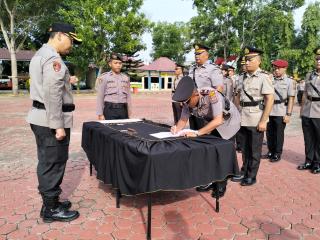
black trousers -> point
(299, 96)
(275, 134)
(251, 150)
(176, 108)
(115, 111)
(311, 134)
(52, 159)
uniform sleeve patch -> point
(56, 66)
(213, 97)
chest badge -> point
(56, 66)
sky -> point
(182, 10)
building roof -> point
(22, 55)
(162, 64)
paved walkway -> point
(284, 204)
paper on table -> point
(129, 120)
(161, 135)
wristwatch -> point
(289, 114)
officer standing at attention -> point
(50, 118)
(310, 116)
(285, 91)
(205, 75)
(227, 81)
(222, 119)
(176, 107)
(300, 87)
(114, 98)
(255, 97)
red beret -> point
(219, 61)
(280, 63)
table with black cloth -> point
(126, 156)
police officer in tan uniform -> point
(51, 118)
(285, 91)
(114, 97)
(176, 107)
(205, 75)
(255, 98)
(310, 116)
(221, 118)
(227, 81)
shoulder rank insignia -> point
(56, 66)
(213, 96)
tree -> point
(310, 37)
(169, 40)
(18, 18)
(105, 26)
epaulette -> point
(266, 72)
(213, 96)
(204, 92)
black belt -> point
(115, 105)
(250, 104)
(279, 101)
(66, 107)
(313, 99)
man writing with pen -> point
(221, 117)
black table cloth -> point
(128, 158)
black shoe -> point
(59, 214)
(237, 178)
(275, 158)
(204, 188)
(218, 192)
(66, 205)
(305, 166)
(315, 169)
(248, 181)
(269, 155)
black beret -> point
(184, 89)
(199, 47)
(115, 56)
(179, 65)
(66, 28)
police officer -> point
(300, 88)
(255, 97)
(51, 118)
(114, 98)
(227, 81)
(205, 75)
(310, 116)
(221, 117)
(285, 91)
(176, 107)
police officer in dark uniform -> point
(255, 98)
(221, 118)
(114, 97)
(176, 107)
(51, 118)
(310, 116)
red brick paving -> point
(284, 204)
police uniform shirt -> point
(210, 106)
(286, 88)
(176, 82)
(207, 75)
(311, 109)
(256, 85)
(50, 85)
(114, 88)
(228, 87)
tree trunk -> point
(14, 72)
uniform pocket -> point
(56, 151)
(111, 91)
(254, 109)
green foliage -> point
(105, 26)
(169, 40)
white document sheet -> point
(161, 135)
(129, 120)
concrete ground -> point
(284, 204)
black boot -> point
(65, 205)
(53, 211)
(204, 188)
(219, 189)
